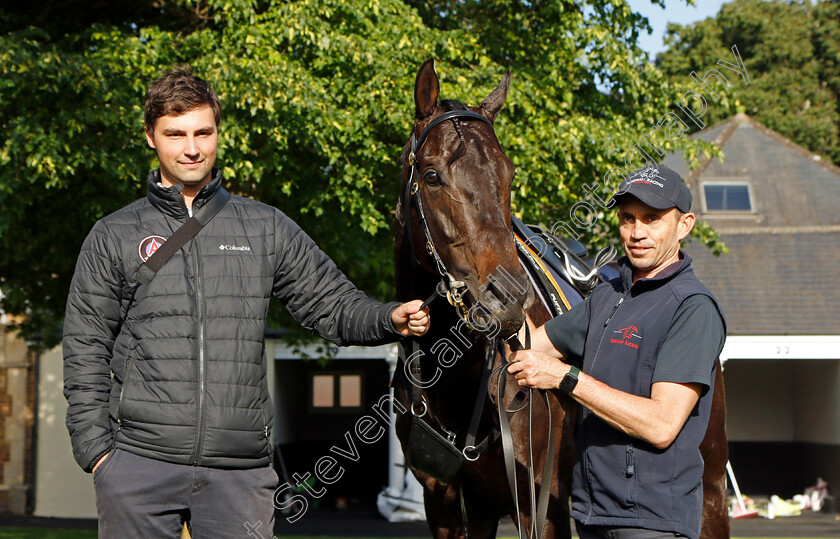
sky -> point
(675, 11)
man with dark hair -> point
(177, 93)
(165, 376)
(641, 352)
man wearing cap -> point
(639, 354)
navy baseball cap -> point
(657, 186)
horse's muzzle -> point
(504, 302)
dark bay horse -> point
(464, 179)
(459, 234)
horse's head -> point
(455, 211)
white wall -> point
(759, 400)
(792, 400)
(783, 388)
(817, 402)
(62, 489)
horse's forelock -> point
(445, 105)
(448, 105)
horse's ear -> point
(494, 102)
(426, 89)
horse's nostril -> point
(497, 295)
(506, 293)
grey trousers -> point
(609, 532)
(143, 498)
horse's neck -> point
(537, 314)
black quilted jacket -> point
(187, 356)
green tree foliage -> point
(317, 105)
(792, 52)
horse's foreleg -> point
(445, 518)
(564, 434)
(715, 511)
(715, 453)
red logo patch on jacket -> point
(149, 245)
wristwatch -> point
(568, 383)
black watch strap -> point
(568, 383)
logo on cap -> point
(149, 245)
(647, 175)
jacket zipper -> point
(122, 391)
(265, 422)
(614, 309)
(607, 323)
(630, 459)
(199, 295)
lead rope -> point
(539, 508)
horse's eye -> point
(432, 177)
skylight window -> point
(727, 197)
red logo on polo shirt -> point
(627, 335)
(629, 332)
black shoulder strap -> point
(180, 237)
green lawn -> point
(41, 533)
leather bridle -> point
(454, 290)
